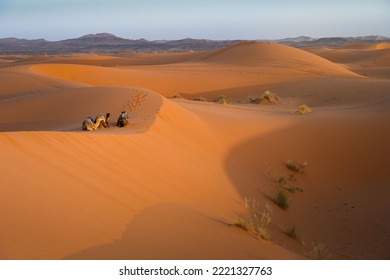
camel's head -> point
(100, 118)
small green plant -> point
(319, 252)
(292, 232)
(222, 99)
(296, 167)
(200, 99)
(303, 109)
(281, 199)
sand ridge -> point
(171, 185)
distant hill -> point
(105, 42)
(332, 41)
(108, 43)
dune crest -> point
(272, 54)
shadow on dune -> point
(343, 203)
(173, 231)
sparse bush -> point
(200, 99)
(267, 98)
(258, 221)
(319, 252)
(281, 199)
(303, 109)
(177, 96)
(292, 232)
(265, 218)
(244, 223)
(296, 167)
(222, 99)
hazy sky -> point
(210, 19)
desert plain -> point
(187, 178)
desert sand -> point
(173, 183)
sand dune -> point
(371, 60)
(239, 71)
(171, 185)
(272, 54)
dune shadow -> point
(343, 165)
(170, 231)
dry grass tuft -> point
(303, 109)
(258, 221)
(296, 167)
(319, 252)
(267, 98)
(281, 199)
(293, 233)
(200, 99)
(222, 99)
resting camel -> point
(89, 125)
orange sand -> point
(171, 185)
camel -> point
(89, 125)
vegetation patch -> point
(281, 199)
(267, 98)
(319, 252)
(200, 99)
(296, 167)
(257, 223)
(222, 99)
(303, 109)
(293, 233)
(178, 96)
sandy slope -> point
(372, 60)
(229, 71)
(170, 185)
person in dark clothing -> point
(123, 119)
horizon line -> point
(194, 38)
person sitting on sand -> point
(107, 119)
(123, 119)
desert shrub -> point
(264, 219)
(267, 98)
(177, 96)
(257, 223)
(292, 232)
(222, 99)
(281, 199)
(296, 167)
(200, 99)
(303, 109)
(319, 252)
(244, 223)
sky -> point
(178, 19)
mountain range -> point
(109, 43)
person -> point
(107, 119)
(123, 119)
(92, 119)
